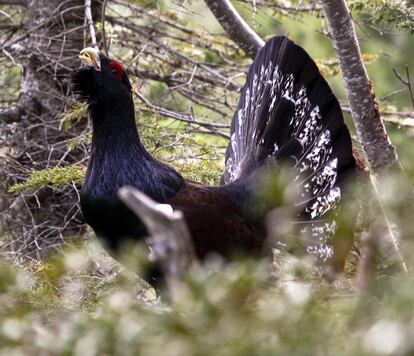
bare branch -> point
(234, 25)
(406, 82)
(187, 118)
(407, 122)
(397, 118)
(410, 88)
(391, 235)
(14, 2)
(89, 21)
(103, 20)
(11, 27)
(281, 6)
(7, 100)
(229, 83)
(170, 239)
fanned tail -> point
(288, 111)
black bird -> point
(286, 113)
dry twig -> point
(170, 240)
(406, 81)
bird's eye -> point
(117, 69)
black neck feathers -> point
(115, 131)
(119, 158)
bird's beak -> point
(90, 57)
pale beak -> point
(89, 56)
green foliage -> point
(399, 13)
(204, 171)
(79, 141)
(153, 4)
(197, 158)
(73, 115)
(329, 67)
(57, 177)
(9, 81)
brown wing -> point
(216, 223)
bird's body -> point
(215, 222)
(287, 113)
(118, 158)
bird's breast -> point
(111, 220)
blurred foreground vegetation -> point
(220, 310)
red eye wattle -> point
(117, 69)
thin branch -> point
(14, 2)
(234, 25)
(8, 100)
(103, 20)
(410, 88)
(397, 118)
(187, 118)
(390, 234)
(407, 122)
(11, 27)
(32, 30)
(282, 7)
(228, 83)
(89, 21)
(173, 80)
(406, 82)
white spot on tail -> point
(317, 168)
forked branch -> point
(170, 240)
(234, 25)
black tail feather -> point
(287, 111)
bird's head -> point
(100, 79)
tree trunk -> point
(379, 151)
(47, 52)
(371, 131)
